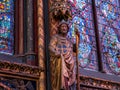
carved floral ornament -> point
(99, 84)
(20, 68)
(60, 9)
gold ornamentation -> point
(20, 68)
(98, 83)
(61, 10)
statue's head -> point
(63, 27)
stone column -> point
(30, 55)
(21, 27)
(41, 44)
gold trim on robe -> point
(61, 62)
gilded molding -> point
(89, 82)
(18, 68)
(41, 44)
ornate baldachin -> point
(60, 10)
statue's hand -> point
(57, 54)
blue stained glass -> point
(109, 31)
(108, 10)
(114, 2)
(82, 20)
(79, 4)
(7, 26)
(116, 24)
(6, 5)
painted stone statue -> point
(62, 62)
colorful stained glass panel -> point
(82, 20)
(7, 26)
(109, 30)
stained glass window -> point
(82, 19)
(6, 26)
(108, 15)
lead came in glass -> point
(82, 18)
(108, 14)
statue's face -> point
(64, 28)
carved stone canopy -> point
(60, 10)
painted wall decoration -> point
(7, 26)
(108, 15)
(17, 84)
(82, 19)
